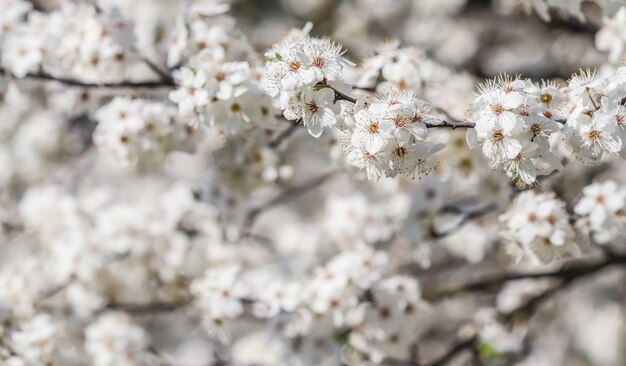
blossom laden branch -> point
(569, 272)
(43, 76)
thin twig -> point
(568, 272)
(144, 309)
(452, 125)
(149, 84)
(284, 196)
(341, 96)
(466, 217)
(283, 135)
(453, 352)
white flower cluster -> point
(408, 68)
(220, 295)
(113, 339)
(217, 83)
(391, 322)
(612, 36)
(514, 121)
(597, 115)
(566, 7)
(222, 94)
(97, 245)
(74, 41)
(138, 131)
(603, 211)
(348, 297)
(35, 340)
(302, 72)
(205, 28)
(13, 11)
(244, 164)
(352, 218)
(536, 227)
(387, 135)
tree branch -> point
(144, 309)
(278, 140)
(43, 76)
(284, 196)
(566, 273)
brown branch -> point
(283, 197)
(278, 140)
(144, 309)
(453, 352)
(452, 125)
(566, 273)
(466, 217)
(567, 276)
(43, 76)
(341, 96)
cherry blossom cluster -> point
(611, 37)
(238, 241)
(595, 123)
(73, 229)
(387, 135)
(302, 72)
(514, 121)
(244, 163)
(547, 9)
(602, 208)
(115, 339)
(32, 139)
(205, 27)
(392, 321)
(331, 303)
(536, 228)
(222, 94)
(408, 68)
(131, 131)
(74, 41)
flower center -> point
(399, 121)
(498, 109)
(593, 135)
(294, 66)
(400, 152)
(319, 62)
(373, 127)
(536, 128)
(497, 135)
(313, 108)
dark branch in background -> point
(452, 125)
(4, 345)
(570, 271)
(567, 275)
(278, 140)
(165, 76)
(465, 218)
(146, 309)
(453, 352)
(43, 76)
(341, 96)
(168, 82)
(283, 197)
